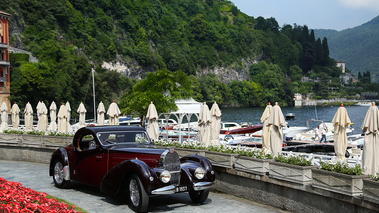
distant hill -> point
(357, 46)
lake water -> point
(302, 114)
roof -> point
(97, 129)
(188, 106)
(5, 14)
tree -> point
(162, 88)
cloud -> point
(362, 4)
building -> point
(342, 65)
(4, 60)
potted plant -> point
(340, 178)
(253, 161)
(295, 169)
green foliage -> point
(295, 160)
(60, 134)
(69, 36)
(35, 132)
(18, 57)
(13, 131)
(161, 88)
(342, 168)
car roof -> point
(97, 129)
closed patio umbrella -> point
(340, 121)
(370, 128)
(152, 122)
(53, 117)
(28, 112)
(113, 113)
(15, 111)
(82, 115)
(100, 113)
(216, 124)
(204, 123)
(266, 129)
(68, 108)
(4, 116)
(62, 119)
(42, 116)
(276, 122)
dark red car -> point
(122, 159)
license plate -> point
(181, 189)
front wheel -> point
(138, 198)
(58, 175)
(198, 196)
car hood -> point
(151, 151)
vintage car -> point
(122, 159)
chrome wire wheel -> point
(58, 173)
(134, 192)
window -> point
(112, 138)
(87, 142)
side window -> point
(87, 142)
(141, 138)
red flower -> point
(16, 198)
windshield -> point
(123, 138)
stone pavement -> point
(36, 176)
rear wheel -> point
(198, 196)
(138, 198)
(58, 175)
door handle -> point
(99, 157)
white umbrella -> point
(68, 108)
(100, 113)
(82, 115)
(113, 112)
(216, 124)
(53, 117)
(15, 110)
(42, 116)
(28, 112)
(204, 123)
(62, 119)
(4, 116)
(152, 122)
(276, 122)
(370, 127)
(266, 130)
(340, 121)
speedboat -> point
(290, 116)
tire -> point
(59, 181)
(198, 196)
(138, 198)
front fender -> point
(192, 162)
(113, 180)
(61, 155)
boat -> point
(290, 116)
(328, 126)
(242, 130)
(290, 132)
(364, 104)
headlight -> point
(165, 176)
(199, 173)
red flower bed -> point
(16, 198)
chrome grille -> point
(170, 161)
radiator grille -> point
(170, 161)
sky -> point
(316, 14)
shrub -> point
(295, 160)
(343, 168)
(13, 131)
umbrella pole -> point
(94, 102)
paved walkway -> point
(36, 177)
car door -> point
(91, 160)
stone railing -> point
(285, 186)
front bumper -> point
(171, 188)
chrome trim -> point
(202, 186)
(167, 190)
(66, 173)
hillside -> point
(357, 46)
(232, 58)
